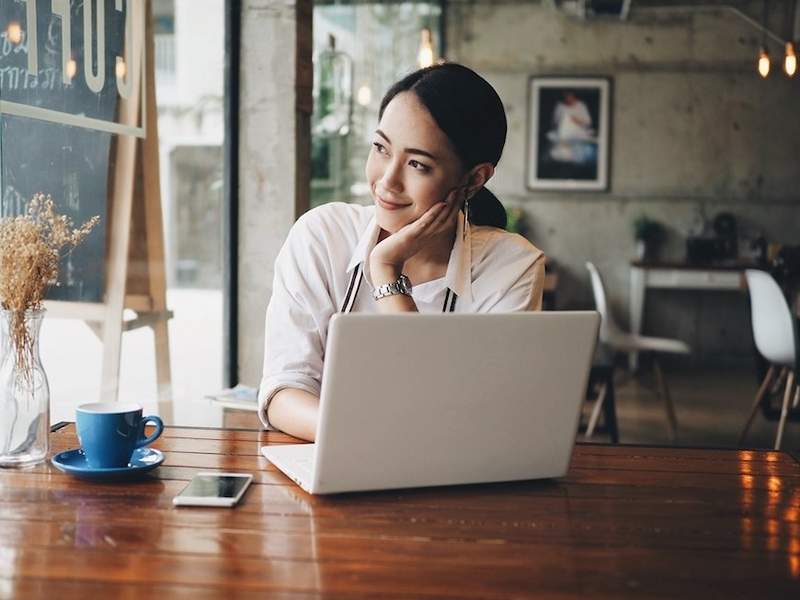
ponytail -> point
(486, 209)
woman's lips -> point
(390, 205)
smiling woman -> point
(433, 241)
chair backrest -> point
(608, 327)
(773, 321)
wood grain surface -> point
(627, 522)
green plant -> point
(647, 230)
(516, 221)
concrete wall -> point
(274, 125)
(694, 130)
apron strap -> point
(352, 290)
(355, 285)
(449, 298)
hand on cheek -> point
(438, 220)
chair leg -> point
(796, 400)
(762, 390)
(611, 411)
(661, 383)
(598, 404)
(785, 409)
(779, 382)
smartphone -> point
(213, 489)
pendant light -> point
(425, 54)
(333, 91)
(14, 33)
(790, 60)
(763, 55)
(364, 94)
(763, 62)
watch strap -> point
(394, 288)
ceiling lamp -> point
(790, 60)
(14, 33)
(364, 95)
(763, 62)
(425, 54)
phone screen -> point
(215, 486)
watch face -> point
(404, 283)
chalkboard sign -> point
(60, 88)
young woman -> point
(432, 242)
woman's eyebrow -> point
(407, 150)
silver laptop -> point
(425, 400)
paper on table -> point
(240, 396)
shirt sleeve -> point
(510, 278)
(526, 293)
(297, 314)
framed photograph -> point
(568, 133)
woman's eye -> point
(379, 147)
(419, 166)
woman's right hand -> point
(440, 219)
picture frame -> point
(569, 126)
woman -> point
(440, 135)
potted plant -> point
(649, 235)
(517, 221)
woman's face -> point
(411, 164)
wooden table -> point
(627, 522)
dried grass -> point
(31, 247)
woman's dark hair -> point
(470, 113)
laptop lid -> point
(419, 400)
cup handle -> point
(152, 437)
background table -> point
(627, 522)
(678, 276)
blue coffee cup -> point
(109, 432)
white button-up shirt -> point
(490, 270)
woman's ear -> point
(477, 177)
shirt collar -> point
(459, 268)
(365, 244)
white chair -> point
(775, 334)
(622, 341)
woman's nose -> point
(391, 179)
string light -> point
(763, 57)
(425, 55)
(14, 32)
(72, 68)
(763, 62)
(121, 68)
(364, 95)
(790, 60)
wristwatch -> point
(401, 286)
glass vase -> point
(24, 393)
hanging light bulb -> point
(364, 95)
(763, 62)
(14, 32)
(763, 57)
(72, 68)
(121, 68)
(425, 54)
(790, 60)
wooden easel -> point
(135, 270)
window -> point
(360, 50)
(71, 149)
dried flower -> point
(30, 250)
